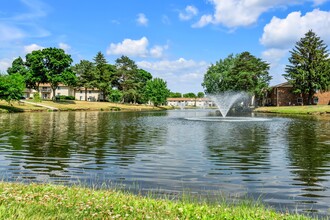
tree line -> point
(308, 71)
(122, 82)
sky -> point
(176, 40)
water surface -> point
(284, 161)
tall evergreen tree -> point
(309, 68)
(126, 74)
(104, 74)
(86, 76)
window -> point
(90, 92)
(299, 100)
(59, 88)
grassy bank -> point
(74, 106)
(35, 201)
(308, 109)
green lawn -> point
(307, 109)
(44, 201)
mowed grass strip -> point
(75, 106)
(45, 201)
(307, 109)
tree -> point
(11, 87)
(57, 68)
(175, 95)
(86, 76)
(36, 70)
(243, 72)
(17, 66)
(126, 78)
(157, 91)
(218, 76)
(189, 95)
(250, 74)
(104, 74)
(200, 94)
(141, 79)
(309, 68)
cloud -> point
(190, 12)
(137, 48)
(142, 19)
(4, 64)
(179, 74)
(9, 33)
(240, 13)
(283, 33)
(64, 46)
(32, 47)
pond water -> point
(283, 161)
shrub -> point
(36, 97)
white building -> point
(195, 102)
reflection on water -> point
(284, 161)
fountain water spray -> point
(225, 100)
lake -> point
(282, 161)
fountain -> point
(225, 100)
(182, 105)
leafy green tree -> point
(126, 78)
(309, 68)
(11, 87)
(115, 95)
(104, 74)
(175, 95)
(57, 68)
(18, 66)
(189, 95)
(200, 95)
(36, 70)
(157, 91)
(218, 76)
(141, 80)
(243, 72)
(250, 74)
(86, 75)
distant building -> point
(46, 92)
(282, 95)
(195, 102)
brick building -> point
(282, 95)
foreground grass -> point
(44, 201)
(75, 106)
(307, 109)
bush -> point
(36, 97)
(69, 97)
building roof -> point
(285, 84)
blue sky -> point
(174, 40)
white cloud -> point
(64, 46)
(181, 75)
(190, 12)
(236, 13)
(4, 64)
(9, 33)
(32, 47)
(142, 19)
(129, 47)
(138, 48)
(283, 33)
